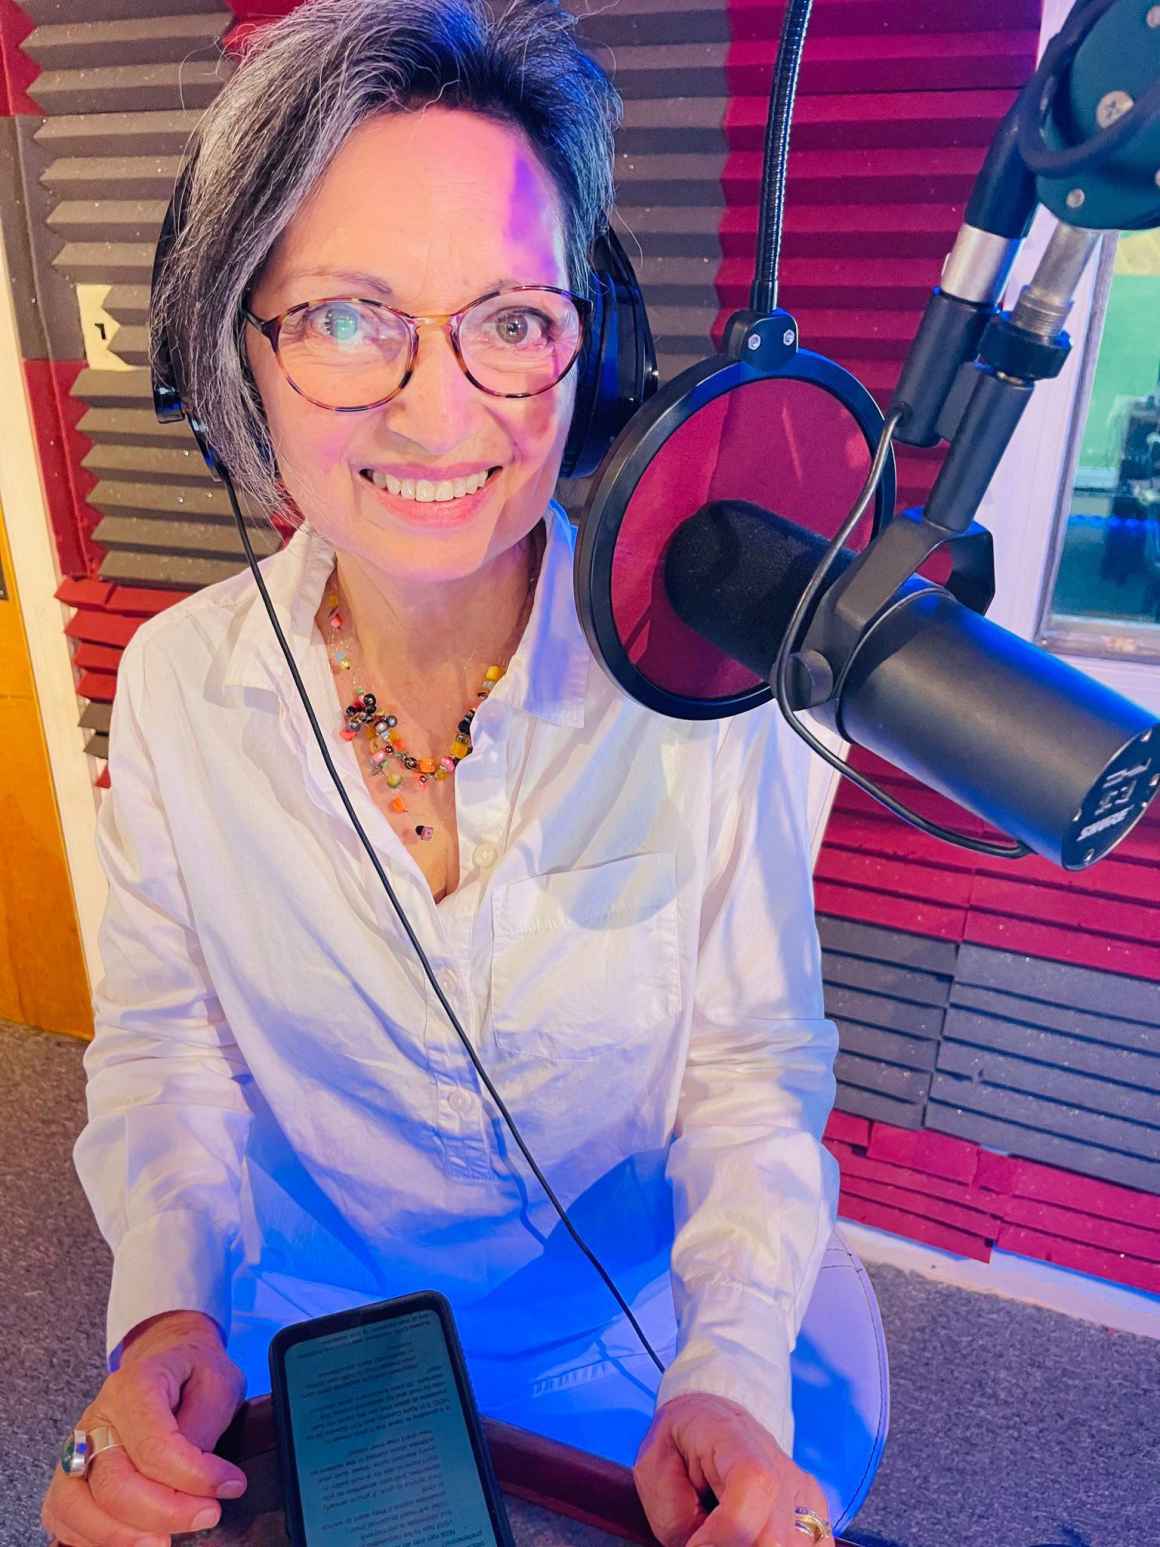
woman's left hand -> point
(699, 1442)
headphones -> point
(616, 368)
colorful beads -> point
(386, 748)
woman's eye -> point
(523, 327)
(340, 324)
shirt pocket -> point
(585, 961)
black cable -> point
(780, 674)
(782, 90)
(431, 978)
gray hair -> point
(303, 85)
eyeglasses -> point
(346, 353)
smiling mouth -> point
(424, 491)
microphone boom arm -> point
(971, 368)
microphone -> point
(1006, 730)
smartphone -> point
(380, 1443)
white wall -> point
(37, 578)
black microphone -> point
(1003, 728)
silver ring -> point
(84, 1445)
(810, 1524)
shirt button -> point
(485, 856)
(461, 1101)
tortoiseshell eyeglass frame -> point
(450, 322)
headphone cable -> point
(431, 978)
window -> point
(1102, 596)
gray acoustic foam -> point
(884, 977)
(1094, 1025)
(1060, 983)
(1053, 1149)
(877, 1106)
(1123, 1065)
(888, 945)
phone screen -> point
(381, 1449)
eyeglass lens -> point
(347, 354)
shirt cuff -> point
(736, 1344)
(176, 1261)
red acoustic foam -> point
(1115, 1266)
(84, 593)
(866, 833)
(250, 17)
(757, 19)
(892, 118)
(972, 1221)
(140, 601)
(1060, 903)
(870, 175)
(102, 628)
(915, 916)
(1063, 943)
(940, 1154)
(17, 69)
(844, 1128)
(100, 658)
(921, 1183)
(262, 10)
(1030, 1179)
(1089, 1229)
(61, 448)
(844, 64)
(913, 1227)
(97, 686)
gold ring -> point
(810, 1525)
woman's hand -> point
(698, 1443)
(174, 1394)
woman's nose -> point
(438, 403)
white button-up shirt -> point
(275, 1090)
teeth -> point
(424, 490)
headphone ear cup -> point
(588, 372)
(618, 364)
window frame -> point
(1023, 505)
(1073, 636)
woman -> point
(281, 1119)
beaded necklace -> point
(388, 754)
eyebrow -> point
(373, 282)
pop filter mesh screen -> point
(784, 444)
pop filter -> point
(778, 426)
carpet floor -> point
(1011, 1426)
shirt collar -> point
(547, 677)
